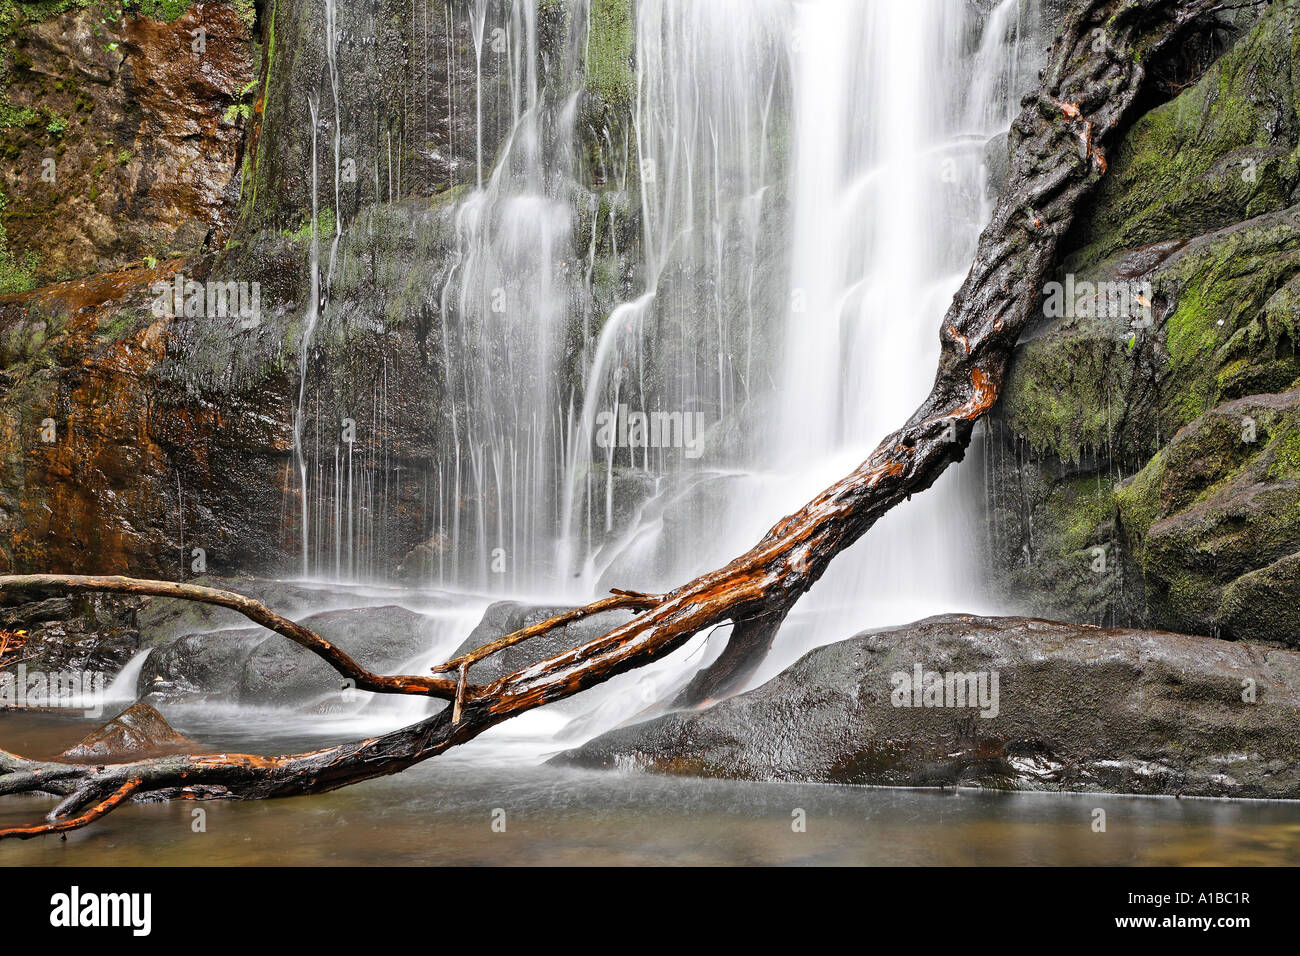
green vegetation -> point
(1138, 499)
(166, 11)
(16, 271)
(324, 227)
(1285, 450)
(610, 39)
(1223, 151)
(253, 154)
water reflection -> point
(442, 812)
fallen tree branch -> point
(64, 823)
(1094, 72)
(634, 600)
(251, 609)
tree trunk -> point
(1094, 72)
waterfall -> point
(818, 189)
(806, 180)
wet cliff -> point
(320, 156)
(347, 161)
(1142, 464)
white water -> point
(811, 184)
(888, 106)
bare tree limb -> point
(253, 610)
(1094, 72)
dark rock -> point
(199, 665)
(505, 617)
(997, 160)
(382, 639)
(161, 620)
(1264, 605)
(255, 666)
(138, 731)
(1078, 708)
(93, 633)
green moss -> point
(166, 11)
(324, 227)
(1138, 499)
(12, 115)
(117, 326)
(17, 270)
(1221, 152)
(1087, 504)
(1285, 451)
(1233, 320)
(253, 157)
(1067, 391)
(610, 39)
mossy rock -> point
(1220, 504)
(1224, 150)
(1264, 605)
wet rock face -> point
(108, 463)
(139, 731)
(88, 633)
(120, 142)
(251, 665)
(109, 466)
(1147, 475)
(399, 93)
(1076, 708)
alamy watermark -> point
(189, 299)
(1121, 299)
(922, 688)
(73, 690)
(628, 429)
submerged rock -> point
(1073, 707)
(138, 731)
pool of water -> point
(491, 805)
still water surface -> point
(442, 812)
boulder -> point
(1137, 470)
(138, 731)
(199, 665)
(505, 617)
(382, 639)
(1076, 708)
(255, 666)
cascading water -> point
(810, 184)
(850, 137)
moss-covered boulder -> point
(1222, 151)
(1214, 513)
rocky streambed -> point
(1009, 703)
